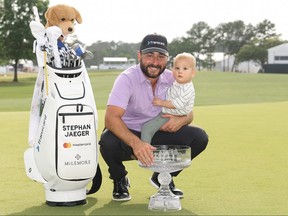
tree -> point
(257, 49)
(15, 37)
(265, 30)
(232, 36)
(102, 49)
(201, 37)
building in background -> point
(277, 59)
(116, 63)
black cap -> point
(154, 43)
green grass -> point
(212, 88)
(243, 171)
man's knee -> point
(204, 138)
(106, 142)
(201, 143)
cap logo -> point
(156, 42)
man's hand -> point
(176, 122)
(144, 153)
(157, 102)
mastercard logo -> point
(67, 145)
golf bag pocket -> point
(68, 85)
(71, 91)
(75, 142)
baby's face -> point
(183, 71)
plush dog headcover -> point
(63, 16)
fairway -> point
(242, 172)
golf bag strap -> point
(96, 182)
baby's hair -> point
(186, 55)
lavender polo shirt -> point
(132, 91)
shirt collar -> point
(181, 84)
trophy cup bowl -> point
(167, 159)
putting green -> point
(243, 171)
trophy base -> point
(164, 203)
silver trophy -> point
(167, 159)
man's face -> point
(152, 64)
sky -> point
(130, 20)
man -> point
(130, 105)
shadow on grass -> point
(122, 208)
(111, 208)
(44, 209)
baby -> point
(179, 97)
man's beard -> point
(144, 69)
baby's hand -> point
(156, 102)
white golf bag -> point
(63, 153)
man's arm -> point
(176, 122)
(114, 123)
